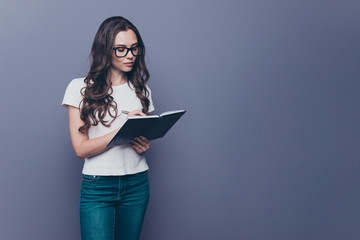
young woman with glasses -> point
(115, 188)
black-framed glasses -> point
(123, 51)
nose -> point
(128, 54)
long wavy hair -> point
(97, 99)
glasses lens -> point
(120, 52)
(135, 51)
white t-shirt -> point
(119, 160)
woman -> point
(115, 189)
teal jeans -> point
(113, 207)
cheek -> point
(116, 61)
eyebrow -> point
(122, 45)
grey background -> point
(269, 147)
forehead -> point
(127, 38)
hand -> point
(135, 113)
(140, 144)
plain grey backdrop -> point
(269, 147)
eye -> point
(120, 49)
(135, 48)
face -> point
(123, 40)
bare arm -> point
(85, 147)
(82, 145)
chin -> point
(127, 69)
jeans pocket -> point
(90, 178)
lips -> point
(129, 64)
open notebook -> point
(151, 127)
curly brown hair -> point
(97, 99)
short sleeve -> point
(73, 95)
(151, 106)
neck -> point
(118, 77)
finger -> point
(136, 113)
(138, 149)
(144, 139)
(138, 145)
(139, 113)
(139, 140)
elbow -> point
(80, 151)
(80, 154)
